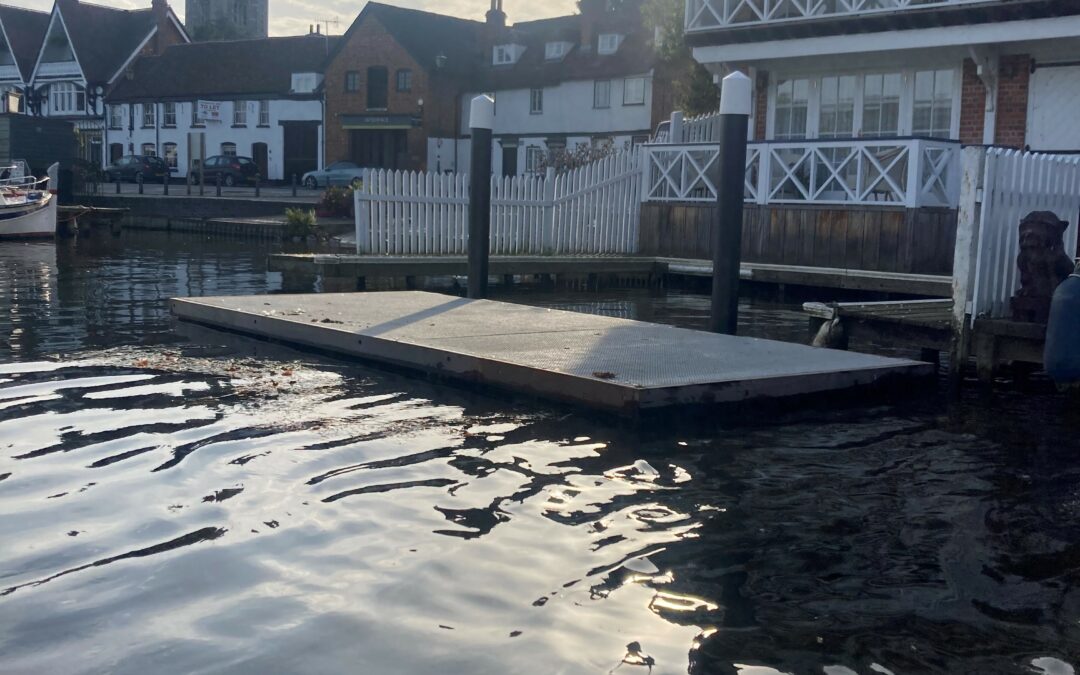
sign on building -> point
(209, 111)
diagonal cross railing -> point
(719, 14)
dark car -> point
(136, 167)
(231, 168)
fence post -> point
(217, 184)
(913, 198)
(258, 189)
(202, 178)
(294, 185)
(165, 182)
(187, 182)
(730, 186)
(481, 121)
(139, 180)
(362, 214)
(548, 247)
(675, 129)
(965, 256)
(764, 168)
(118, 184)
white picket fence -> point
(1014, 184)
(594, 209)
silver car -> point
(338, 173)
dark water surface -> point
(179, 505)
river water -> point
(180, 501)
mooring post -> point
(735, 99)
(294, 185)
(118, 184)
(165, 182)
(202, 179)
(257, 193)
(217, 184)
(139, 180)
(481, 121)
(187, 182)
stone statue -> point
(1043, 265)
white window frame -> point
(149, 115)
(148, 150)
(168, 114)
(534, 157)
(264, 113)
(596, 90)
(553, 51)
(64, 98)
(907, 94)
(239, 115)
(116, 116)
(608, 43)
(174, 160)
(536, 101)
(504, 55)
(232, 147)
(626, 88)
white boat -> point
(27, 207)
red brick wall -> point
(972, 105)
(371, 45)
(1012, 100)
(761, 104)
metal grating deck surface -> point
(592, 360)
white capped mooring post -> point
(735, 96)
(481, 121)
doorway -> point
(301, 148)
(260, 153)
(510, 160)
(379, 149)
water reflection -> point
(229, 506)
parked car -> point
(338, 173)
(232, 169)
(134, 167)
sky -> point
(292, 17)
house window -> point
(633, 91)
(239, 114)
(170, 154)
(554, 51)
(881, 104)
(149, 150)
(228, 149)
(352, 81)
(536, 101)
(195, 121)
(932, 114)
(601, 97)
(168, 117)
(534, 158)
(792, 101)
(608, 43)
(148, 114)
(503, 55)
(264, 113)
(376, 88)
(404, 80)
(836, 118)
(116, 117)
(67, 98)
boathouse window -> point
(404, 80)
(536, 101)
(67, 98)
(352, 81)
(228, 149)
(264, 113)
(837, 116)
(601, 94)
(169, 150)
(377, 82)
(169, 115)
(881, 104)
(116, 116)
(148, 110)
(239, 114)
(932, 114)
(633, 91)
(792, 103)
(149, 150)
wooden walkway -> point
(600, 362)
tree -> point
(695, 92)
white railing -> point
(911, 172)
(704, 15)
(1013, 185)
(594, 209)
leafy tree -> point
(695, 92)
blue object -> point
(1061, 354)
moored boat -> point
(27, 207)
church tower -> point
(208, 20)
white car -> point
(338, 173)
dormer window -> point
(504, 55)
(553, 51)
(609, 43)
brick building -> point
(394, 81)
(976, 71)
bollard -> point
(217, 181)
(481, 120)
(139, 180)
(294, 185)
(165, 182)
(187, 182)
(118, 185)
(727, 227)
(257, 192)
(202, 181)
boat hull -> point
(40, 222)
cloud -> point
(292, 17)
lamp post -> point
(481, 121)
(735, 96)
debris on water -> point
(645, 468)
(329, 320)
(604, 375)
(515, 633)
(641, 566)
(636, 656)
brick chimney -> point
(160, 10)
(495, 21)
(592, 12)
